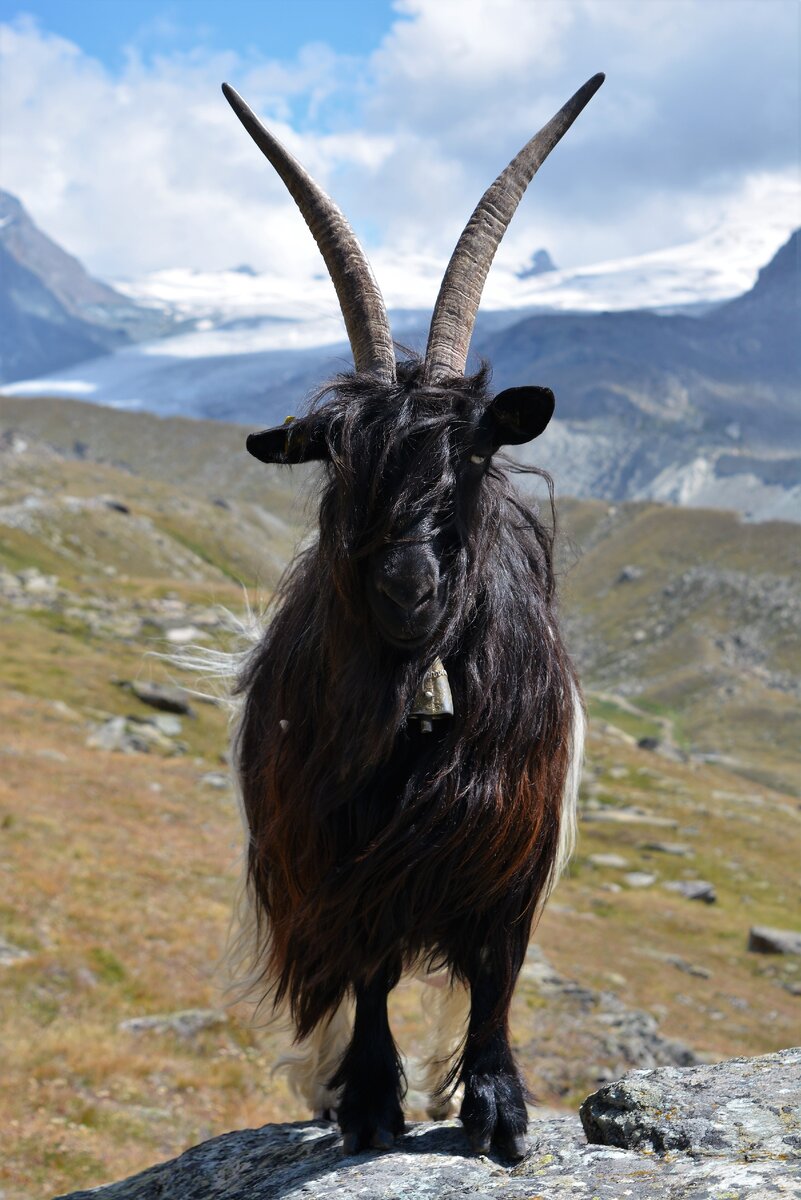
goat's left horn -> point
(460, 293)
(359, 297)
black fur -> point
(374, 846)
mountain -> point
(540, 263)
(37, 333)
(693, 410)
(698, 409)
(52, 313)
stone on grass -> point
(159, 695)
(607, 860)
(658, 746)
(774, 941)
(629, 816)
(216, 779)
(688, 968)
(678, 848)
(639, 879)
(166, 723)
(186, 1024)
(11, 954)
(182, 635)
(132, 736)
(694, 889)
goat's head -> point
(408, 446)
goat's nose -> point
(408, 591)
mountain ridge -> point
(53, 312)
(686, 409)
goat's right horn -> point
(359, 297)
(460, 293)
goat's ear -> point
(293, 442)
(518, 415)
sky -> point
(114, 133)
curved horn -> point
(359, 298)
(463, 282)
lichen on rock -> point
(731, 1129)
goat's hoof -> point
(480, 1143)
(513, 1147)
(382, 1139)
(351, 1143)
(357, 1140)
(494, 1115)
(372, 1130)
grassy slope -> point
(119, 870)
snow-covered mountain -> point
(652, 401)
(52, 312)
(238, 312)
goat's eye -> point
(479, 459)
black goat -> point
(380, 838)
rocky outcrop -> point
(732, 1129)
(755, 1116)
(774, 941)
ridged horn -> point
(463, 282)
(357, 291)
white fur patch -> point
(568, 825)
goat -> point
(384, 835)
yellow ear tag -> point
(288, 420)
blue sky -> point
(104, 28)
(115, 136)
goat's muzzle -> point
(406, 594)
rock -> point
(159, 695)
(216, 779)
(608, 860)
(629, 816)
(620, 1037)
(749, 1108)
(49, 755)
(630, 574)
(694, 889)
(11, 954)
(37, 584)
(689, 968)
(733, 1129)
(182, 635)
(678, 848)
(639, 879)
(166, 723)
(658, 746)
(132, 736)
(108, 736)
(763, 940)
(186, 1024)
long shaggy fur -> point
(372, 846)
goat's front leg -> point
(370, 1075)
(493, 1110)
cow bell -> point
(433, 699)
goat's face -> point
(406, 465)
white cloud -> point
(147, 168)
(150, 168)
